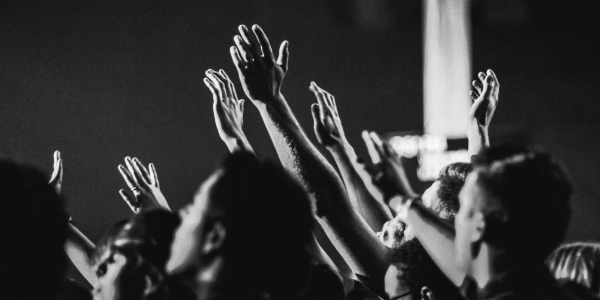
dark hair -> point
(268, 219)
(578, 263)
(452, 178)
(153, 231)
(528, 200)
(33, 228)
(418, 270)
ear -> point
(153, 280)
(215, 238)
(479, 227)
(426, 294)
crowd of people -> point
(491, 228)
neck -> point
(488, 264)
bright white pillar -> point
(447, 67)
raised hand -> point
(485, 98)
(387, 173)
(143, 184)
(327, 123)
(228, 110)
(260, 74)
(57, 173)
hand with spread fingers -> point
(387, 173)
(143, 184)
(327, 123)
(57, 174)
(261, 75)
(228, 110)
(485, 100)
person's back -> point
(33, 228)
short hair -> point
(527, 211)
(578, 263)
(451, 178)
(33, 228)
(418, 270)
(268, 218)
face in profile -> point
(468, 221)
(118, 276)
(395, 232)
(186, 247)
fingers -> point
(129, 179)
(481, 76)
(244, 50)
(265, 45)
(477, 86)
(140, 172)
(379, 145)
(229, 83)
(223, 84)
(314, 109)
(153, 175)
(473, 95)
(375, 158)
(321, 99)
(220, 86)
(239, 63)
(284, 55)
(494, 80)
(131, 201)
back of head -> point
(416, 270)
(33, 228)
(527, 209)
(578, 263)
(451, 178)
(269, 221)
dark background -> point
(100, 80)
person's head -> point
(413, 275)
(33, 229)
(131, 256)
(441, 196)
(516, 201)
(578, 263)
(251, 217)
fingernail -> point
(121, 167)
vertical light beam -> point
(447, 67)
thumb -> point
(284, 55)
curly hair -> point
(451, 178)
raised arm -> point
(78, 247)
(143, 184)
(485, 99)
(436, 234)
(330, 134)
(261, 76)
(228, 111)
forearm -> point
(437, 236)
(352, 237)
(375, 213)
(239, 144)
(478, 137)
(80, 251)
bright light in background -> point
(431, 152)
(447, 65)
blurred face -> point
(468, 222)
(117, 277)
(395, 232)
(186, 246)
